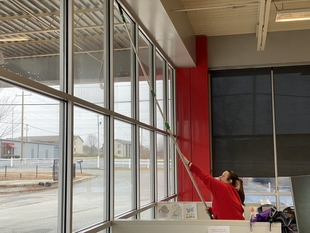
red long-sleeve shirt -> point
(226, 202)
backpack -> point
(280, 216)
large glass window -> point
(89, 186)
(261, 116)
(160, 91)
(242, 123)
(30, 40)
(123, 65)
(29, 152)
(292, 105)
(77, 134)
(123, 163)
(89, 63)
(145, 80)
(146, 168)
(161, 158)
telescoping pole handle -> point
(162, 114)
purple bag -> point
(262, 216)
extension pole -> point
(162, 114)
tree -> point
(92, 142)
(8, 117)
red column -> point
(192, 115)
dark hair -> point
(237, 182)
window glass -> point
(271, 199)
(145, 80)
(147, 214)
(89, 186)
(89, 63)
(259, 184)
(161, 155)
(160, 90)
(32, 55)
(146, 165)
(123, 64)
(242, 123)
(292, 101)
(123, 180)
(286, 201)
(29, 152)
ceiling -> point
(235, 17)
(38, 22)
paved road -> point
(37, 211)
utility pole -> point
(22, 130)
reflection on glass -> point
(147, 214)
(144, 80)
(32, 55)
(89, 194)
(123, 174)
(89, 64)
(261, 198)
(146, 181)
(123, 65)
(29, 141)
(161, 154)
(259, 185)
(286, 201)
(284, 184)
(159, 63)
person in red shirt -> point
(228, 194)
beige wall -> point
(239, 51)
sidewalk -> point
(12, 186)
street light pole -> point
(99, 123)
(22, 133)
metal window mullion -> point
(65, 192)
(165, 110)
(153, 164)
(137, 126)
(109, 101)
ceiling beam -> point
(259, 31)
(265, 28)
(263, 25)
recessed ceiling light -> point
(293, 15)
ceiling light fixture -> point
(14, 39)
(293, 15)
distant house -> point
(77, 142)
(7, 149)
(78, 145)
(30, 150)
(122, 148)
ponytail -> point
(238, 183)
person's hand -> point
(187, 162)
(209, 212)
(185, 159)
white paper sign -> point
(218, 229)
